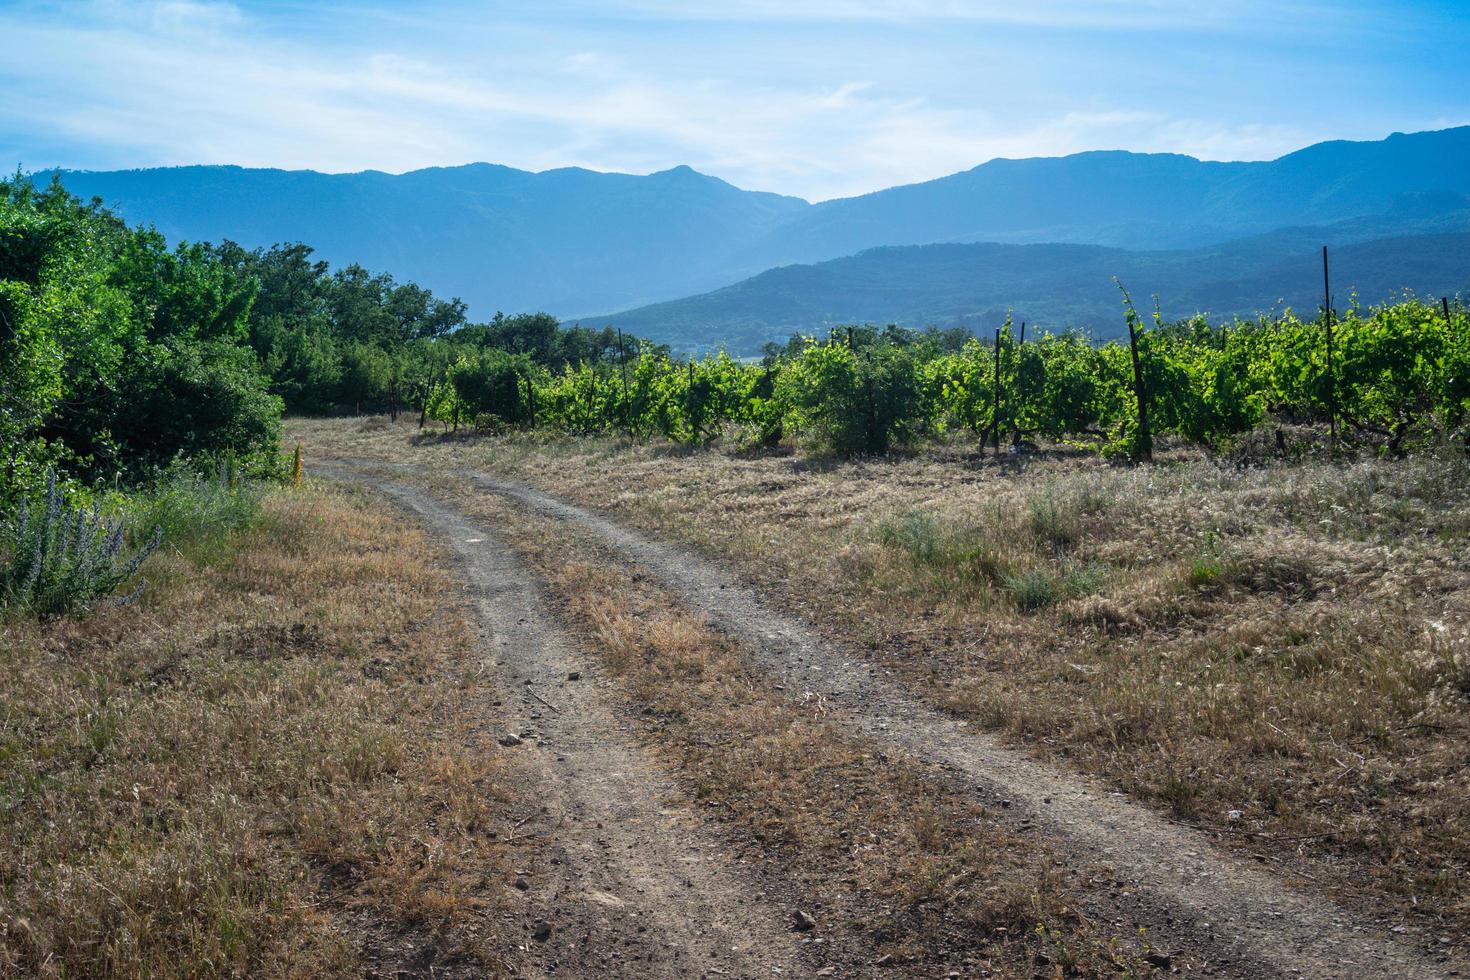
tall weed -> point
(60, 558)
(197, 513)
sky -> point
(816, 98)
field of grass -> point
(1277, 653)
(266, 767)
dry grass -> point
(1280, 653)
(882, 854)
(250, 773)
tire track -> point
(1229, 906)
(629, 886)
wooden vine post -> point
(1020, 392)
(1144, 448)
(995, 401)
(623, 360)
(689, 402)
(1331, 378)
(1444, 303)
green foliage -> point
(196, 400)
(1400, 372)
(487, 388)
(579, 400)
(1034, 589)
(915, 532)
(194, 510)
(352, 340)
(545, 341)
(687, 402)
(58, 558)
(1204, 572)
(117, 353)
(959, 554)
(854, 399)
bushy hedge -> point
(117, 352)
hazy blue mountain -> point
(1135, 200)
(566, 240)
(1055, 286)
(572, 241)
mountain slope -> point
(1051, 285)
(564, 240)
(1134, 200)
(572, 240)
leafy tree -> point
(117, 352)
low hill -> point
(1052, 286)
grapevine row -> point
(1398, 374)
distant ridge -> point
(1133, 200)
(1054, 286)
(567, 240)
(575, 241)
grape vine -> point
(1400, 373)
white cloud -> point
(771, 103)
(1072, 14)
(180, 16)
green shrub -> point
(118, 352)
(203, 401)
(1035, 589)
(953, 555)
(854, 401)
(61, 558)
(1054, 522)
(1032, 589)
(1204, 572)
(915, 532)
(490, 389)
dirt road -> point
(628, 885)
(632, 864)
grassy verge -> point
(1279, 654)
(893, 866)
(250, 771)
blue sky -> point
(818, 98)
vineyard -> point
(121, 355)
(1393, 376)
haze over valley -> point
(696, 262)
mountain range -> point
(697, 261)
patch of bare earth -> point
(1276, 655)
